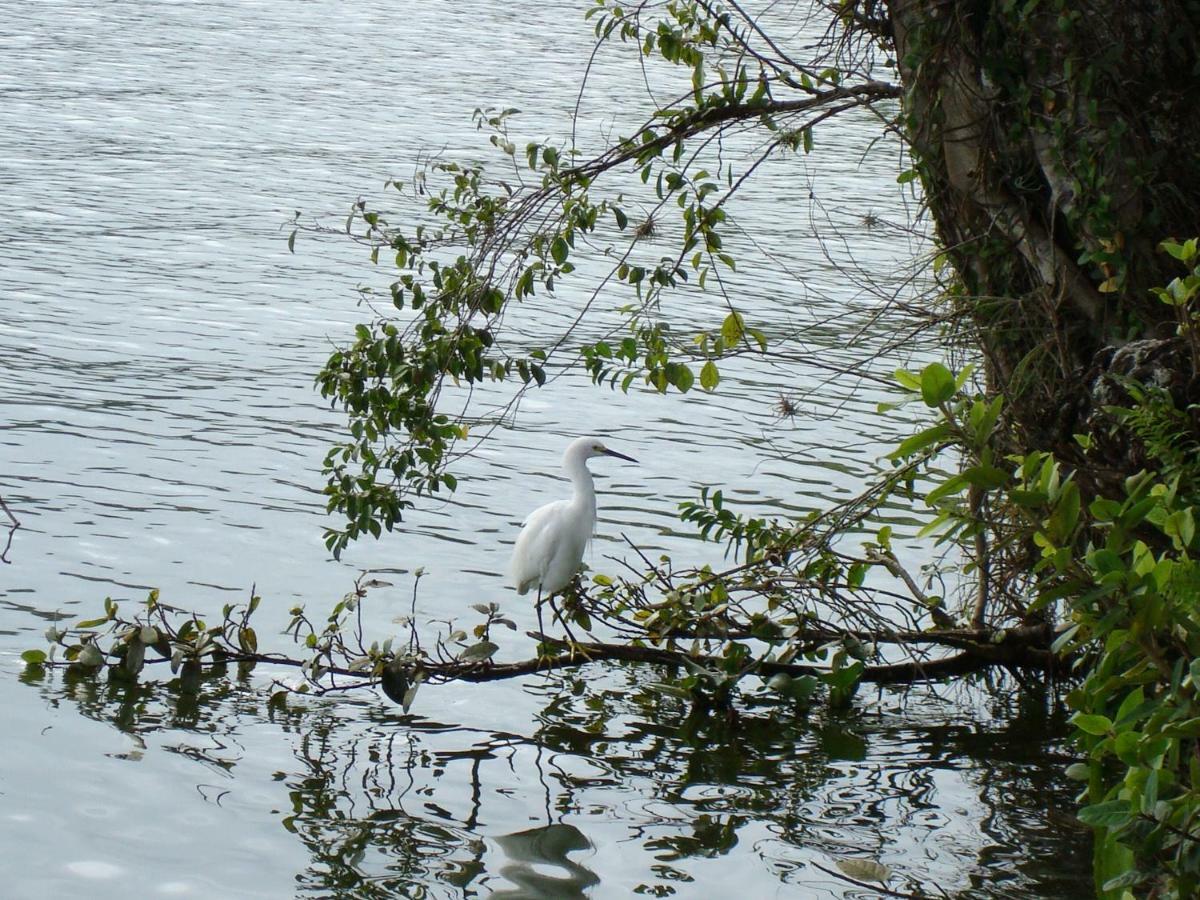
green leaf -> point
(90, 655)
(559, 250)
(479, 652)
(248, 640)
(759, 338)
(937, 384)
(681, 376)
(987, 477)
(409, 696)
(983, 419)
(710, 376)
(920, 441)
(1137, 512)
(1079, 771)
(1125, 747)
(845, 677)
(1066, 514)
(1111, 859)
(1151, 752)
(1177, 250)
(33, 657)
(1189, 728)
(952, 485)
(1092, 723)
(856, 575)
(733, 328)
(1181, 525)
(1124, 880)
(1112, 814)
(1104, 510)
(1028, 499)
(1129, 705)
(1065, 638)
(135, 657)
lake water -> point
(158, 428)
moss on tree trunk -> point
(1057, 145)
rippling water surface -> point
(159, 429)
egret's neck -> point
(581, 479)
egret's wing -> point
(535, 545)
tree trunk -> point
(1057, 144)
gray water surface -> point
(158, 428)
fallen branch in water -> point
(1026, 647)
(339, 657)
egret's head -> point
(593, 447)
(598, 449)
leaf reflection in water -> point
(625, 790)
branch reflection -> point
(623, 789)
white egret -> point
(550, 546)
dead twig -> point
(11, 531)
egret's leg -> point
(562, 619)
(542, 652)
(538, 606)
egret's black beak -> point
(608, 452)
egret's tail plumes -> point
(522, 584)
(524, 571)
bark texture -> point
(1057, 143)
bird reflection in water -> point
(527, 852)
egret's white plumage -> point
(550, 547)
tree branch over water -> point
(339, 656)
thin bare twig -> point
(11, 531)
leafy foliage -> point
(1136, 625)
(1124, 570)
(796, 608)
(488, 242)
(1135, 631)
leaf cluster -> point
(488, 240)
